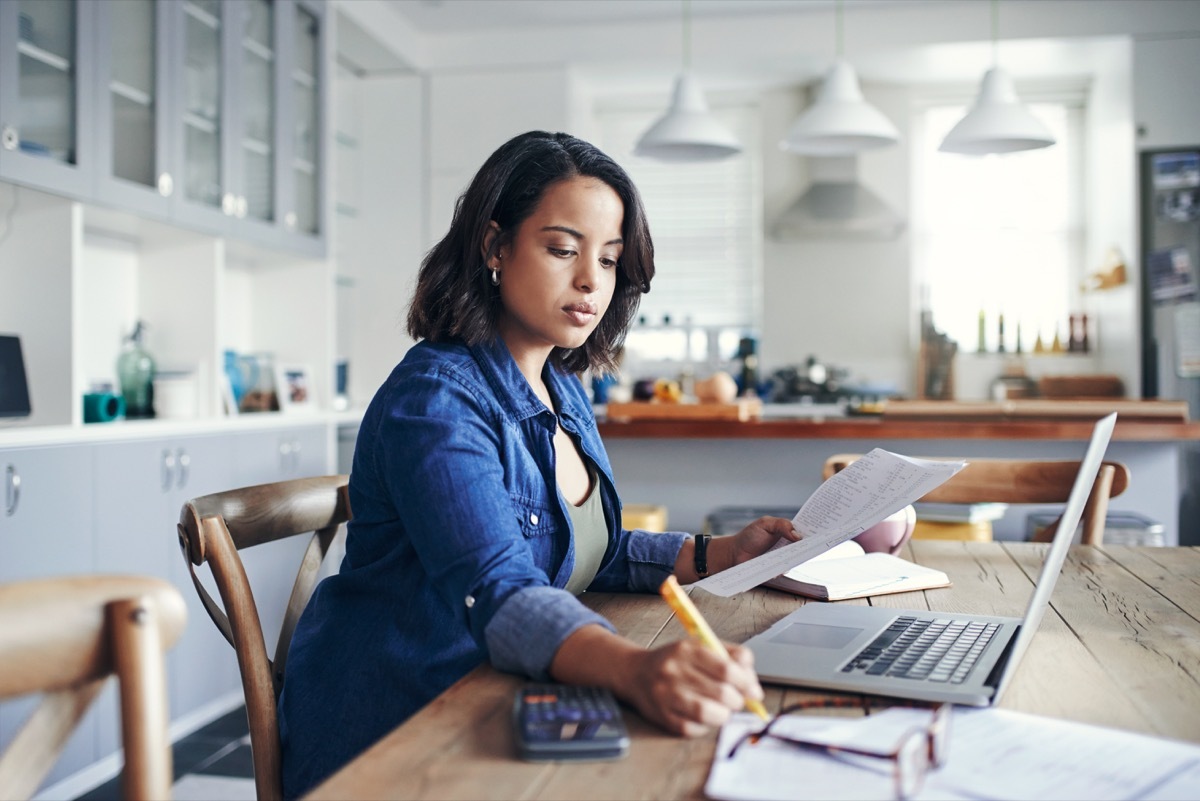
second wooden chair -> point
(1023, 481)
(63, 637)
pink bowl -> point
(889, 534)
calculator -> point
(568, 722)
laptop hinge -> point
(993, 679)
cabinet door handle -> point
(168, 470)
(228, 204)
(185, 461)
(12, 490)
(9, 138)
(285, 455)
(166, 184)
(295, 456)
(242, 206)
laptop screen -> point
(1089, 467)
(14, 389)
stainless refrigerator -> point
(1170, 245)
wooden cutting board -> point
(742, 409)
(1035, 409)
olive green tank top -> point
(591, 537)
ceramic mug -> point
(889, 534)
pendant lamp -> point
(687, 132)
(841, 122)
(997, 122)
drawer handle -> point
(168, 470)
(12, 490)
(185, 462)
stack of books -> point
(957, 521)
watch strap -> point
(701, 555)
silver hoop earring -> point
(495, 278)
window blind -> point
(706, 221)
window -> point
(999, 234)
(706, 220)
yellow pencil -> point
(698, 627)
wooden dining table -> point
(1120, 647)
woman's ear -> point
(490, 257)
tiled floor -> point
(212, 764)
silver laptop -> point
(921, 655)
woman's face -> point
(559, 270)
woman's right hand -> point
(688, 689)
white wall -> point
(379, 233)
(844, 301)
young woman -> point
(483, 498)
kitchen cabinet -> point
(250, 130)
(207, 114)
(46, 530)
(140, 487)
(46, 107)
(135, 167)
(280, 454)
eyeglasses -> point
(917, 749)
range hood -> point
(837, 206)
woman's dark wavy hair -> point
(455, 299)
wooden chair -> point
(63, 637)
(212, 529)
(1023, 481)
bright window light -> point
(999, 234)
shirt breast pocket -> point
(539, 528)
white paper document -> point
(844, 506)
(993, 753)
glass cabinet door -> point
(43, 113)
(132, 133)
(306, 156)
(256, 152)
(203, 194)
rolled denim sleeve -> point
(530, 626)
(651, 558)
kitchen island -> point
(694, 466)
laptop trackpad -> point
(816, 636)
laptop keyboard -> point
(941, 650)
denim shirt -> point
(457, 554)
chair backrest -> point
(212, 529)
(1023, 481)
(63, 637)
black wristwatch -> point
(702, 554)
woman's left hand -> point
(725, 552)
(758, 538)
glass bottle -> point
(135, 371)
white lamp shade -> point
(688, 131)
(997, 122)
(840, 122)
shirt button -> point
(533, 518)
(470, 601)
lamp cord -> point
(995, 32)
(838, 27)
(687, 35)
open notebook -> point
(846, 571)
